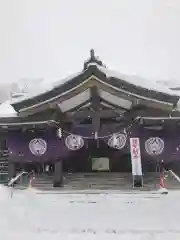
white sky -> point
(50, 39)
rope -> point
(99, 137)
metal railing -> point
(174, 175)
(16, 178)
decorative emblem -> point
(154, 146)
(117, 141)
(38, 146)
(74, 142)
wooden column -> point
(11, 170)
(58, 174)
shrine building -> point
(96, 120)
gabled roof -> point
(94, 69)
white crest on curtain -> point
(117, 141)
(38, 146)
(74, 142)
(154, 146)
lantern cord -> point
(106, 136)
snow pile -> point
(7, 110)
(26, 198)
(30, 193)
(91, 216)
(5, 194)
(163, 191)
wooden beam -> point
(89, 113)
(111, 105)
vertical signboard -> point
(135, 157)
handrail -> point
(174, 175)
(13, 180)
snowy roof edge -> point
(93, 60)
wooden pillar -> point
(58, 174)
(96, 108)
(11, 170)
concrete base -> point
(58, 175)
(57, 184)
(137, 181)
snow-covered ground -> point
(34, 215)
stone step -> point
(99, 181)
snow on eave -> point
(172, 84)
(139, 82)
(66, 79)
(47, 86)
(7, 110)
(42, 88)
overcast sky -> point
(50, 39)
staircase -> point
(93, 181)
(172, 183)
(152, 180)
(98, 181)
(41, 182)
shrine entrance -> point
(99, 158)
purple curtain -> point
(18, 143)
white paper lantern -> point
(74, 142)
(38, 146)
(154, 146)
(117, 141)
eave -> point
(90, 77)
(171, 122)
(18, 123)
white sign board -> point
(135, 156)
(100, 164)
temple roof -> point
(114, 88)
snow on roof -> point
(7, 110)
(172, 84)
(65, 80)
(42, 87)
(138, 81)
